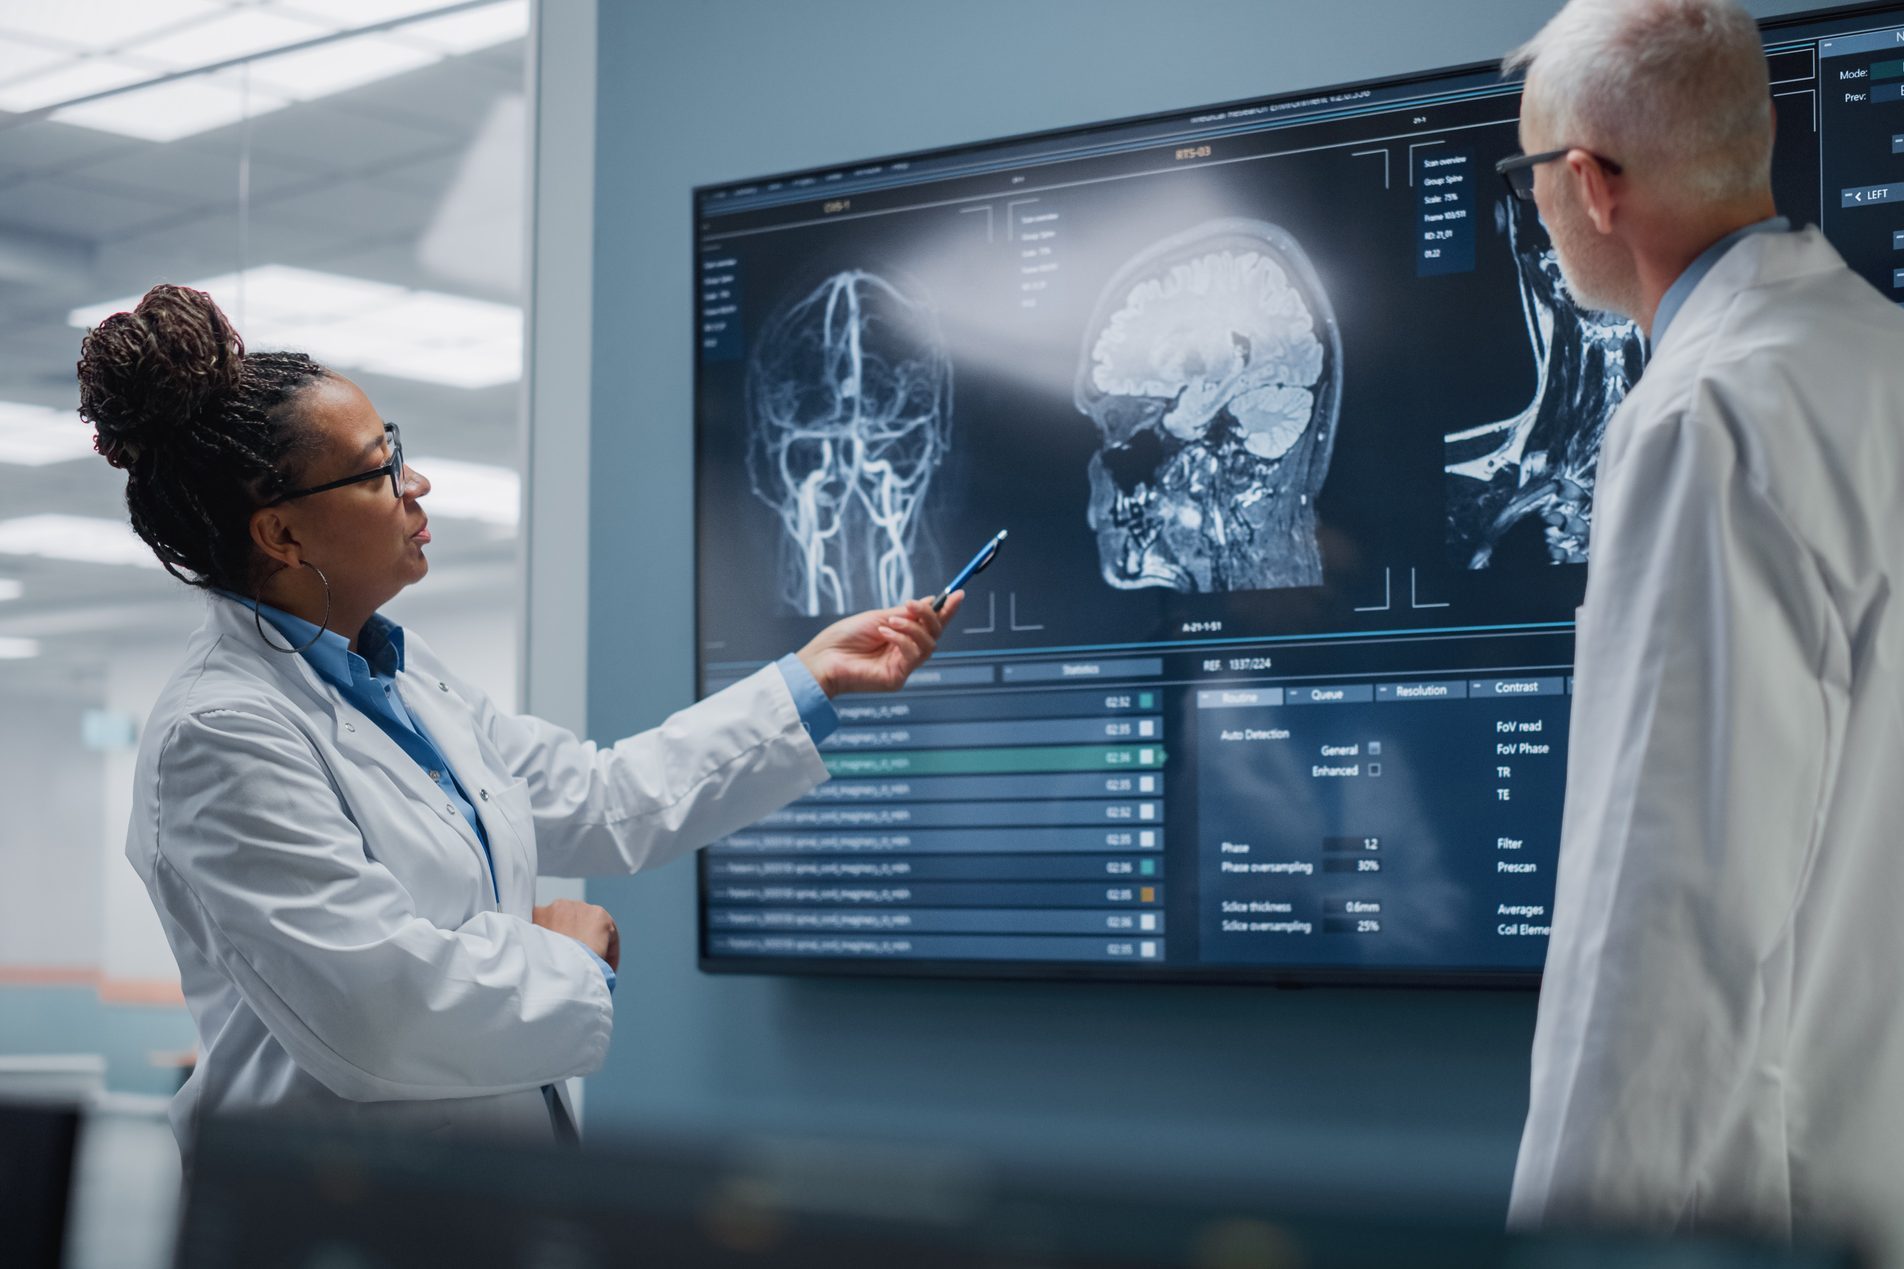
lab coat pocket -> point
(511, 824)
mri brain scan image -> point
(1212, 370)
(849, 412)
(1520, 489)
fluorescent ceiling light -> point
(332, 68)
(234, 33)
(356, 13)
(82, 539)
(355, 324)
(471, 491)
(11, 588)
(178, 108)
(18, 649)
(473, 29)
(57, 50)
(70, 80)
(95, 25)
(37, 435)
(18, 59)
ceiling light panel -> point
(177, 108)
(473, 29)
(356, 324)
(38, 435)
(68, 81)
(79, 539)
(234, 33)
(11, 588)
(12, 649)
(19, 58)
(351, 14)
(333, 68)
(100, 24)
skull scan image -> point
(849, 411)
(1212, 368)
(1536, 469)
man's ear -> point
(276, 537)
(1597, 193)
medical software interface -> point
(1294, 423)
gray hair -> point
(1673, 90)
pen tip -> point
(1002, 534)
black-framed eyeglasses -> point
(393, 469)
(1518, 170)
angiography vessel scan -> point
(1213, 370)
(1538, 467)
(849, 404)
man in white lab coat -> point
(1720, 1038)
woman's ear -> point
(276, 538)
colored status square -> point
(1148, 867)
(1147, 700)
(1148, 949)
(1147, 894)
(1147, 839)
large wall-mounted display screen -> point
(1294, 424)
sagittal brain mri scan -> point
(1295, 424)
(1537, 467)
(849, 398)
(1213, 371)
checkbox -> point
(1146, 784)
(1146, 810)
(1148, 949)
(1147, 839)
(1147, 922)
(1147, 756)
(1375, 768)
(1145, 727)
(1374, 748)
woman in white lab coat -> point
(342, 837)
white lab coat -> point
(336, 934)
(1721, 1028)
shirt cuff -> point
(607, 973)
(817, 714)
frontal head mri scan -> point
(1212, 369)
(849, 408)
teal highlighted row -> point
(975, 761)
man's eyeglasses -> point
(393, 469)
(1518, 171)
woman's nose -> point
(415, 483)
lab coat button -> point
(445, 686)
(350, 727)
(485, 794)
(449, 810)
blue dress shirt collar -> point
(1682, 287)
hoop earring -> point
(257, 617)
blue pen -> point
(986, 555)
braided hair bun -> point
(205, 432)
(146, 374)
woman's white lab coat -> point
(1721, 1029)
(338, 941)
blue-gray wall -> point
(1415, 1094)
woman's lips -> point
(422, 536)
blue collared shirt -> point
(1675, 297)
